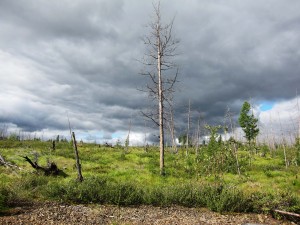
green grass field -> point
(113, 176)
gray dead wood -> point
(78, 165)
(8, 164)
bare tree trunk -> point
(127, 139)
(188, 129)
(172, 130)
(198, 137)
(145, 139)
(161, 47)
(234, 144)
(160, 106)
(78, 165)
(283, 143)
(298, 108)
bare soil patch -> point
(56, 213)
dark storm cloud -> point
(239, 51)
(63, 19)
(81, 58)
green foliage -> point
(222, 198)
(206, 180)
(3, 198)
(248, 122)
(96, 189)
(182, 139)
(266, 202)
(13, 137)
(218, 156)
(127, 143)
(217, 197)
(118, 144)
(213, 145)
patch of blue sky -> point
(87, 136)
(117, 135)
(266, 105)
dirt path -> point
(55, 213)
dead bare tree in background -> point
(171, 126)
(228, 116)
(198, 134)
(78, 165)
(161, 48)
(188, 129)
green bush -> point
(10, 197)
(223, 198)
(156, 196)
(3, 198)
(185, 195)
(125, 194)
(33, 181)
(96, 190)
(89, 191)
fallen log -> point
(7, 164)
(51, 169)
(290, 215)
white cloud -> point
(281, 122)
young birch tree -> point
(161, 47)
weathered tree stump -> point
(51, 169)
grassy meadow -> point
(131, 177)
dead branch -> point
(288, 213)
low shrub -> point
(96, 190)
(3, 198)
(88, 191)
(224, 198)
(125, 194)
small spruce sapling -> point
(248, 123)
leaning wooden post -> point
(78, 165)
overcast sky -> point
(79, 58)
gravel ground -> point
(56, 213)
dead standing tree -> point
(161, 48)
(78, 165)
